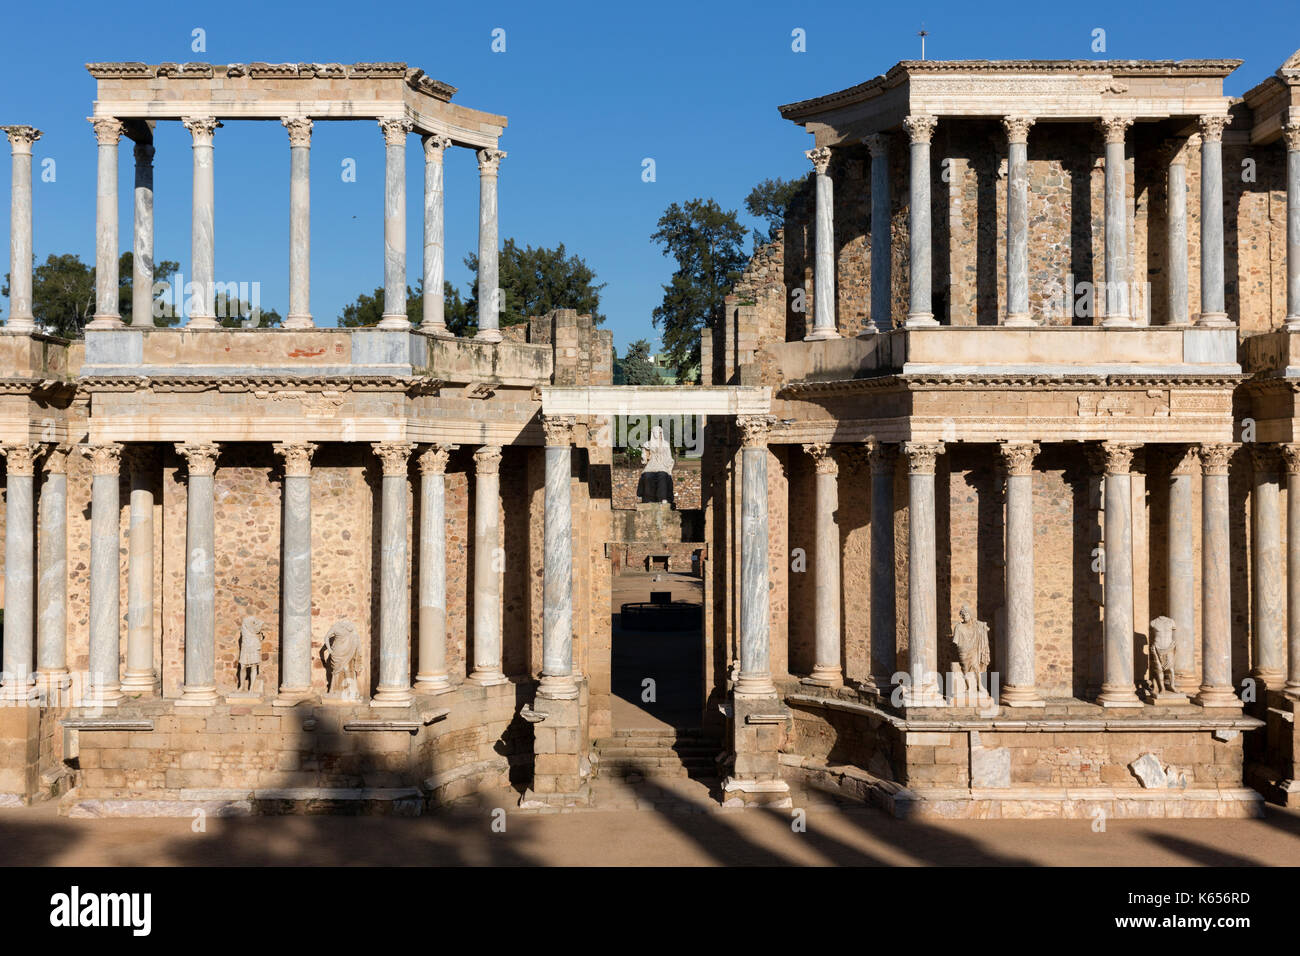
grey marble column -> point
(920, 312)
(105, 573)
(557, 567)
(16, 683)
(395, 131)
(394, 688)
(1213, 312)
(755, 676)
(1020, 678)
(881, 206)
(1176, 234)
(142, 253)
(1216, 584)
(21, 139)
(1182, 563)
(824, 245)
(1268, 620)
(489, 306)
(884, 611)
(200, 688)
(107, 314)
(1017, 128)
(1291, 455)
(433, 321)
(201, 305)
(1118, 686)
(295, 573)
(299, 316)
(1291, 137)
(139, 677)
(488, 557)
(827, 670)
(432, 677)
(52, 583)
(922, 578)
(1118, 308)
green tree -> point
(163, 271)
(235, 313)
(635, 366)
(707, 244)
(367, 310)
(535, 281)
(770, 201)
(63, 293)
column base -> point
(821, 335)
(876, 685)
(558, 688)
(298, 322)
(1020, 320)
(1123, 696)
(773, 794)
(139, 682)
(1271, 679)
(203, 695)
(1020, 697)
(17, 693)
(437, 331)
(291, 696)
(201, 322)
(432, 684)
(103, 322)
(394, 322)
(1166, 698)
(868, 332)
(921, 320)
(755, 686)
(20, 323)
(823, 677)
(488, 335)
(1213, 320)
(53, 680)
(929, 696)
(392, 697)
(1216, 697)
(486, 678)
(1117, 322)
(1292, 690)
(1292, 323)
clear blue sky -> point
(590, 90)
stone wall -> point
(686, 485)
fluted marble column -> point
(139, 677)
(200, 688)
(1216, 584)
(395, 131)
(1118, 308)
(1182, 563)
(1176, 233)
(487, 567)
(824, 245)
(201, 305)
(755, 628)
(489, 306)
(142, 248)
(557, 566)
(433, 321)
(1118, 686)
(299, 316)
(884, 611)
(1268, 622)
(108, 132)
(920, 313)
(1213, 311)
(1291, 137)
(1291, 455)
(1017, 128)
(881, 205)
(827, 671)
(1020, 677)
(922, 577)
(295, 573)
(394, 688)
(105, 575)
(432, 677)
(52, 586)
(21, 139)
(16, 683)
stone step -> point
(705, 755)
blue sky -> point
(591, 89)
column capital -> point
(920, 126)
(202, 128)
(21, 138)
(1017, 128)
(395, 129)
(1185, 460)
(1211, 126)
(138, 457)
(487, 460)
(433, 460)
(1113, 128)
(1291, 133)
(200, 457)
(882, 456)
(1118, 456)
(877, 144)
(821, 159)
(1173, 151)
(299, 128)
(1018, 457)
(394, 455)
(144, 153)
(559, 430)
(489, 161)
(754, 429)
(1266, 459)
(20, 458)
(1216, 457)
(297, 457)
(55, 460)
(107, 129)
(1291, 457)
(435, 144)
(105, 458)
(921, 456)
(823, 456)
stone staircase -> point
(657, 753)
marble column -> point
(142, 249)
(21, 139)
(1020, 677)
(1017, 128)
(394, 688)
(105, 574)
(432, 677)
(824, 245)
(1291, 137)
(299, 316)
(16, 683)
(201, 306)
(1118, 309)
(433, 321)
(1118, 686)
(1291, 455)
(295, 573)
(108, 132)
(827, 670)
(881, 209)
(200, 688)
(884, 611)
(1182, 562)
(52, 583)
(1213, 311)
(920, 128)
(1176, 234)
(395, 131)
(139, 677)
(489, 306)
(1268, 618)
(922, 578)
(755, 676)
(1216, 584)
(488, 559)
(557, 566)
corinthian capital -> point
(877, 144)
(201, 128)
(395, 129)
(1291, 455)
(1216, 457)
(487, 460)
(559, 429)
(1113, 128)
(107, 129)
(435, 144)
(200, 457)
(823, 456)
(394, 455)
(55, 461)
(1118, 456)
(754, 429)
(883, 456)
(297, 457)
(105, 458)
(921, 456)
(433, 460)
(920, 127)
(1018, 457)
(821, 159)
(1212, 127)
(1017, 128)
(489, 161)
(1291, 133)
(21, 138)
(20, 459)
(299, 128)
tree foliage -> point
(636, 368)
(770, 201)
(63, 293)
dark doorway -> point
(657, 659)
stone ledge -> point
(399, 801)
(105, 724)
